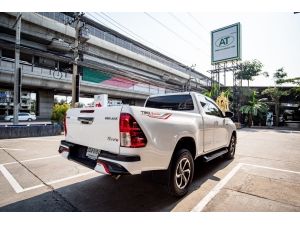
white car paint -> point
(163, 129)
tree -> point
(281, 79)
(249, 70)
(253, 108)
(280, 76)
(213, 92)
(59, 112)
(275, 93)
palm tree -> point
(213, 92)
(275, 94)
(254, 107)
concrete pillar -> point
(0, 56)
(45, 101)
(32, 63)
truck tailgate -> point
(94, 127)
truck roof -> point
(175, 93)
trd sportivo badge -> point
(162, 116)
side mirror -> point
(229, 114)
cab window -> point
(210, 108)
(171, 102)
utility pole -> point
(17, 83)
(81, 36)
(187, 86)
(75, 78)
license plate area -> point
(92, 153)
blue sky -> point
(273, 38)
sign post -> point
(225, 57)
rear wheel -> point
(181, 173)
(231, 148)
(29, 119)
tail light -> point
(131, 135)
(65, 125)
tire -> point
(178, 180)
(231, 148)
(29, 119)
(11, 120)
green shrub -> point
(59, 112)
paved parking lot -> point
(264, 176)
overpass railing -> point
(62, 18)
(8, 66)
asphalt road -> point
(264, 176)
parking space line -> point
(41, 139)
(70, 177)
(57, 181)
(33, 187)
(13, 149)
(271, 168)
(11, 180)
(18, 189)
(30, 160)
(200, 206)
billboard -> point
(226, 44)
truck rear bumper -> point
(106, 162)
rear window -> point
(171, 102)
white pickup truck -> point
(168, 133)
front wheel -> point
(231, 148)
(181, 173)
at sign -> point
(226, 44)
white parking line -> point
(13, 149)
(30, 160)
(201, 205)
(18, 188)
(270, 168)
(71, 177)
(32, 139)
(12, 181)
(58, 181)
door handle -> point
(86, 120)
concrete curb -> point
(35, 130)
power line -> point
(197, 21)
(187, 27)
(127, 29)
(111, 24)
(173, 32)
(140, 36)
(123, 30)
